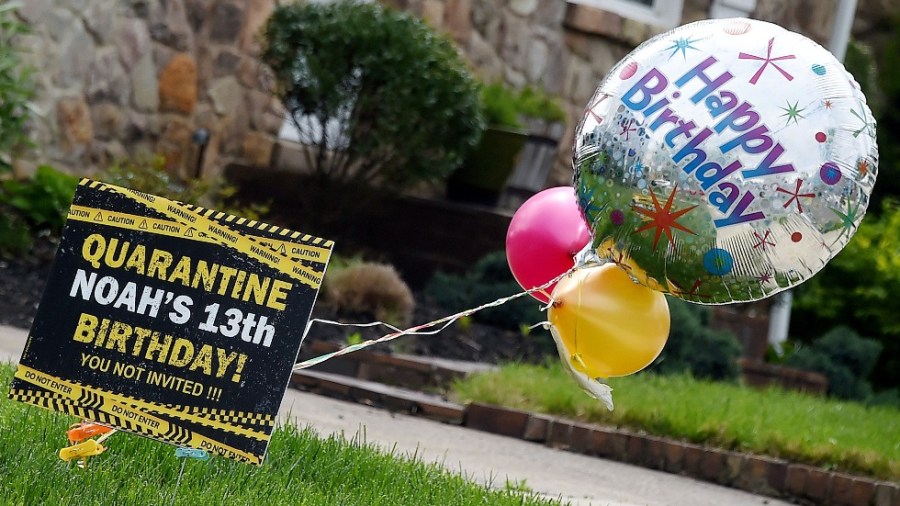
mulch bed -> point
(22, 283)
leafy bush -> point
(31, 207)
(16, 88)
(43, 201)
(695, 348)
(372, 289)
(393, 99)
(861, 285)
(501, 106)
(845, 358)
(489, 280)
(150, 176)
(507, 107)
(38, 206)
(859, 288)
(536, 103)
(886, 398)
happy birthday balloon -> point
(544, 235)
(725, 161)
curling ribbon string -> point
(418, 329)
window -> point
(731, 8)
(663, 13)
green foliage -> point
(396, 99)
(846, 436)
(501, 106)
(506, 107)
(534, 102)
(354, 339)
(33, 206)
(859, 288)
(886, 398)
(845, 358)
(489, 280)
(15, 236)
(44, 199)
(16, 88)
(150, 176)
(39, 205)
(695, 348)
(36, 205)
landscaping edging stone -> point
(753, 473)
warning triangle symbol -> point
(189, 233)
(143, 225)
(282, 250)
(98, 217)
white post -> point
(840, 31)
(780, 319)
(780, 312)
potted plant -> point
(515, 119)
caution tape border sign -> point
(121, 411)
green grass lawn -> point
(839, 435)
(300, 469)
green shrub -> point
(43, 201)
(845, 358)
(396, 100)
(38, 206)
(695, 348)
(861, 285)
(16, 88)
(32, 207)
(534, 102)
(370, 289)
(489, 280)
(846, 347)
(507, 107)
(150, 176)
(859, 288)
(501, 106)
(889, 398)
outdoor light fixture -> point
(201, 139)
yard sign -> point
(171, 321)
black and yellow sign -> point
(171, 321)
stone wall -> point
(139, 77)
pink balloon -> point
(544, 236)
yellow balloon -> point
(608, 324)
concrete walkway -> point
(488, 458)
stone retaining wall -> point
(135, 77)
(139, 77)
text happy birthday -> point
(739, 117)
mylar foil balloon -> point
(544, 235)
(725, 161)
(605, 324)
